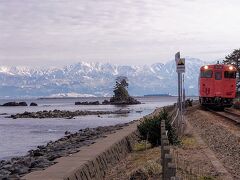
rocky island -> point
(120, 97)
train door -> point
(218, 83)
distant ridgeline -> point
(157, 95)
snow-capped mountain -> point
(96, 79)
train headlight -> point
(230, 68)
(205, 67)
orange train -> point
(217, 85)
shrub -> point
(188, 102)
(150, 129)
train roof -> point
(219, 66)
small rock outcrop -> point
(33, 104)
(23, 104)
(126, 101)
(106, 102)
(87, 103)
(15, 104)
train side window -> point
(229, 74)
(218, 75)
(206, 74)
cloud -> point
(128, 31)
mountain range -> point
(96, 79)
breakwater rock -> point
(44, 156)
(15, 104)
(63, 114)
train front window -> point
(230, 74)
(206, 74)
(218, 75)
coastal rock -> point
(41, 162)
(105, 102)
(4, 174)
(7, 167)
(23, 104)
(33, 104)
(87, 103)
(15, 104)
(67, 133)
(19, 169)
(128, 101)
(11, 104)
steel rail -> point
(227, 114)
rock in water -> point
(105, 102)
(11, 104)
(87, 103)
(15, 104)
(23, 104)
(33, 104)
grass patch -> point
(206, 178)
(141, 146)
(188, 142)
(152, 168)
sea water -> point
(17, 136)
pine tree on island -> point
(121, 95)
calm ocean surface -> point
(17, 136)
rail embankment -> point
(221, 136)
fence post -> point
(167, 159)
(164, 147)
(171, 171)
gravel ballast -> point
(221, 136)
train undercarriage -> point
(216, 102)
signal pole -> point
(180, 68)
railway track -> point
(227, 114)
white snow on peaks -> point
(98, 79)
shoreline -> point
(43, 156)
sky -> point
(132, 32)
